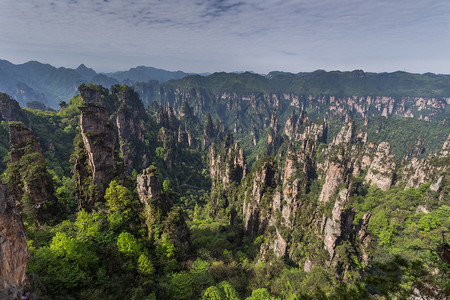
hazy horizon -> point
(209, 73)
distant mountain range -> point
(34, 81)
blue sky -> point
(229, 35)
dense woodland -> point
(222, 200)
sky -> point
(229, 35)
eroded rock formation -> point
(160, 211)
(419, 171)
(130, 120)
(226, 164)
(32, 185)
(257, 204)
(382, 168)
(14, 254)
(99, 137)
(10, 110)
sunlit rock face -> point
(382, 168)
(14, 254)
(99, 141)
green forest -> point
(122, 201)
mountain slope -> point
(145, 74)
(35, 81)
(163, 203)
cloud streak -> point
(216, 35)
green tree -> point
(87, 226)
(213, 293)
(181, 286)
(129, 245)
(145, 265)
(228, 290)
(119, 199)
(261, 294)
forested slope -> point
(242, 192)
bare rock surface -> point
(14, 254)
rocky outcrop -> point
(419, 171)
(209, 132)
(226, 164)
(346, 155)
(14, 254)
(95, 160)
(227, 168)
(130, 121)
(339, 222)
(333, 179)
(148, 186)
(31, 184)
(363, 238)
(302, 128)
(91, 94)
(156, 204)
(257, 210)
(273, 128)
(22, 141)
(99, 137)
(382, 168)
(10, 110)
(159, 211)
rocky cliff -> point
(257, 206)
(98, 136)
(14, 254)
(10, 110)
(381, 170)
(418, 171)
(31, 183)
(149, 190)
(244, 111)
(226, 163)
(160, 213)
(278, 200)
(130, 121)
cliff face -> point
(419, 171)
(149, 190)
(96, 159)
(99, 140)
(22, 141)
(159, 211)
(130, 122)
(32, 185)
(381, 170)
(339, 222)
(302, 128)
(257, 209)
(10, 110)
(277, 196)
(226, 164)
(209, 132)
(255, 110)
(340, 159)
(366, 106)
(14, 254)
(91, 95)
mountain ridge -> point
(35, 81)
